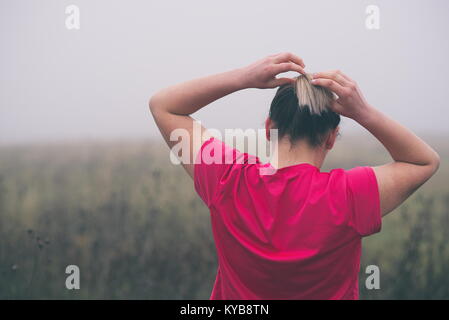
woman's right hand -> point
(350, 102)
(262, 73)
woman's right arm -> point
(414, 160)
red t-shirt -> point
(295, 234)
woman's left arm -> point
(172, 106)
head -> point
(301, 113)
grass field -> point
(133, 224)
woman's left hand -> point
(262, 74)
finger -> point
(281, 81)
(334, 75)
(287, 56)
(331, 85)
(288, 66)
(341, 74)
(336, 106)
(346, 77)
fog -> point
(94, 83)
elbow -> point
(435, 163)
(153, 104)
(432, 164)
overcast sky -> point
(95, 82)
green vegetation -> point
(134, 225)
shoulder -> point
(215, 151)
(356, 173)
(217, 164)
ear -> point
(330, 141)
(268, 124)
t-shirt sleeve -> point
(214, 164)
(364, 201)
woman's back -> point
(295, 234)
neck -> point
(301, 152)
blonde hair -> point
(301, 110)
(318, 99)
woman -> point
(296, 233)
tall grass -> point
(135, 227)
